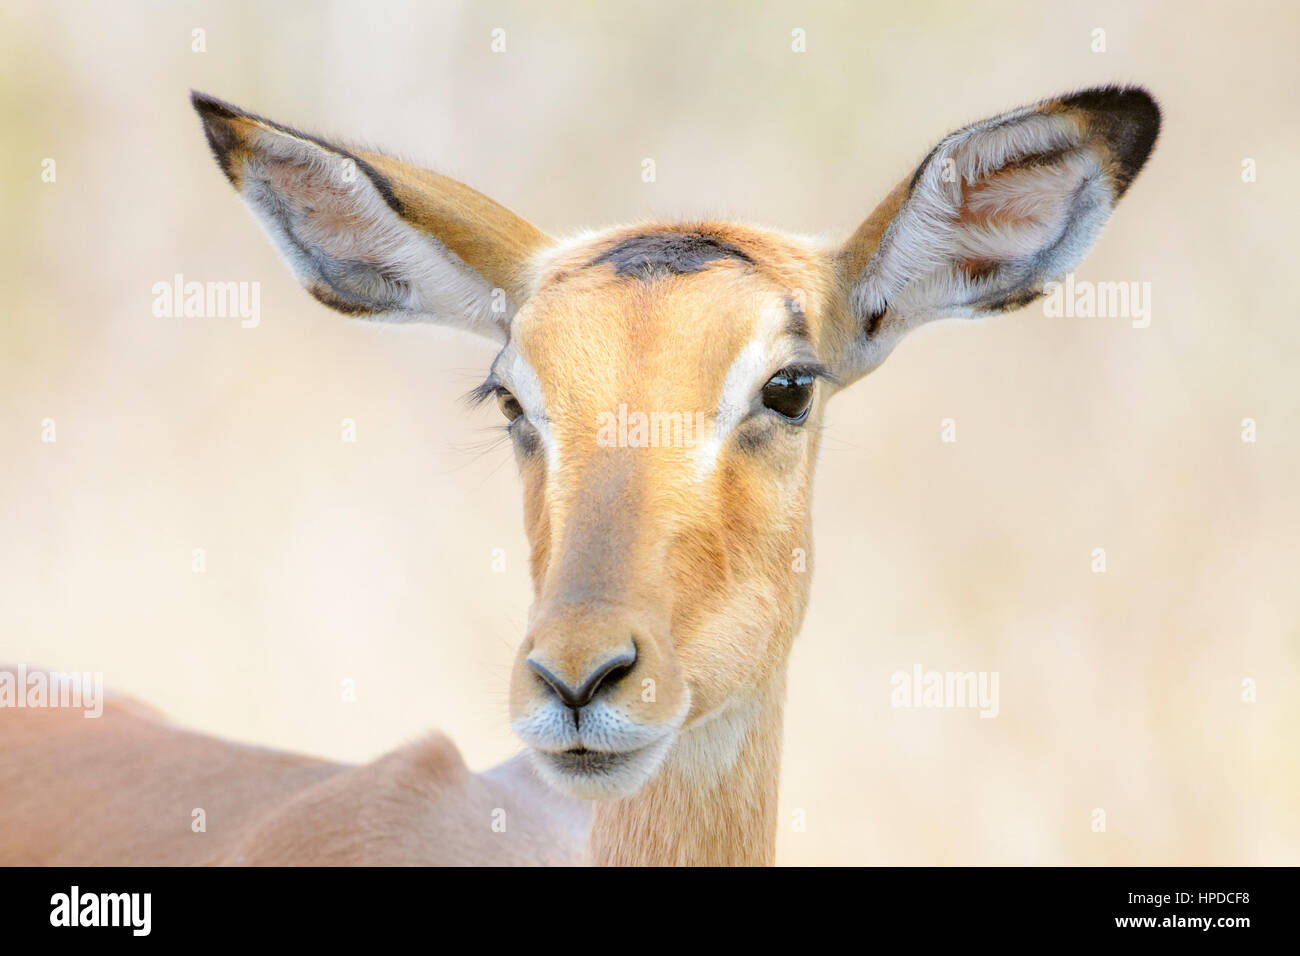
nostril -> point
(608, 673)
(615, 674)
(557, 686)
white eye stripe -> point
(527, 389)
(749, 371)
(737, 389)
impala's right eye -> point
(509, 405)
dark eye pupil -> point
(789, 392)
(509, 405)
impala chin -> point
(600, 753)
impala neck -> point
(714, 801)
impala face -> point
(650, 544)
(664, 387)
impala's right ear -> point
(372, 236)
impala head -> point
(664, 384)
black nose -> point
(606, 674)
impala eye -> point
(509, 405)
(789, 393)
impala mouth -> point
(599, 753)
(601, 774)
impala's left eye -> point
(789, 393)
(509, 405)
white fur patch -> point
(527, 389)
(707, 751)
(549, 727)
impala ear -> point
(995, 211)
(371, 236)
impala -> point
(667, 575)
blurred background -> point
(372, 562)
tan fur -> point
(487, 236)
(687, 818)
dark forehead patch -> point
(668, 253)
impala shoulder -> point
(431, 761)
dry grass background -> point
(372, 561)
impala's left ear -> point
(995, 211)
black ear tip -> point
(1128, 117)
(207, 105)
(220, 133)
(1130, 101)
(1114, 98)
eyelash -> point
(815, 369)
